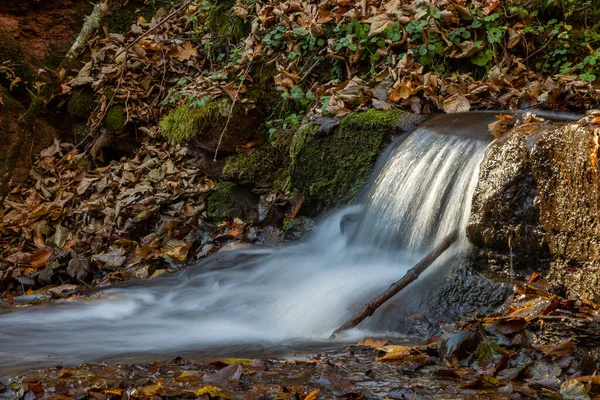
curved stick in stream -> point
(409, 277)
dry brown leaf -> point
(491, 6)
(187, 52)
(379, 23)
(240, 11)
(456, 103)
(370, 342)
(14, 83)
(40, 258)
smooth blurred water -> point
(268, 299)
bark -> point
(410, 276)
(26, 125)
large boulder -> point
(503, 215)
(538, 193)
(565, 167)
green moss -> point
(122, 17)
(185, 123)
(332, 169)
(262, 165)
(115, 119)
(11, 55)
(10, 104)
(80, 104)
(217, 204)
(225, 27)
(230, 200)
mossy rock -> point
(331, 169)
(11, 52)
(583, 16)
(224, 26)
(230, 200)
(298, 228)
(80, 104)
(186, 122)
(115, 119)
(203, 126)
(260, 166)
(11, 105)
(122, 17)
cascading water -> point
(270, 298)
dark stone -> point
(230, 200)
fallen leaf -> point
(456, 103)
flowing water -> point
(272, 299)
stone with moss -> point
(260, 166)
(224, 26)
(298, 228)
(230, 200)
(331, 169)
(123, 15)
(80, 104)
(115, 119)
(186, 122)
(12, 56)
(203, 125)
(11, 105)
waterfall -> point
(267, 299)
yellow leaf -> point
(312, 395)
(150, 390)
(394, 352)
(212, 391)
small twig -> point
(237, 95)
(149, 31)
(90, 287)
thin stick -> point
(237, 95)
(410, 276)
(149, 31)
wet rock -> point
(538, 192)
(565, 167)
(230, 200)
(503, 215)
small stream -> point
(266, 302)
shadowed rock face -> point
(538, 193)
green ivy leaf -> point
(588, 77)
(481, 58)
(494, 35)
